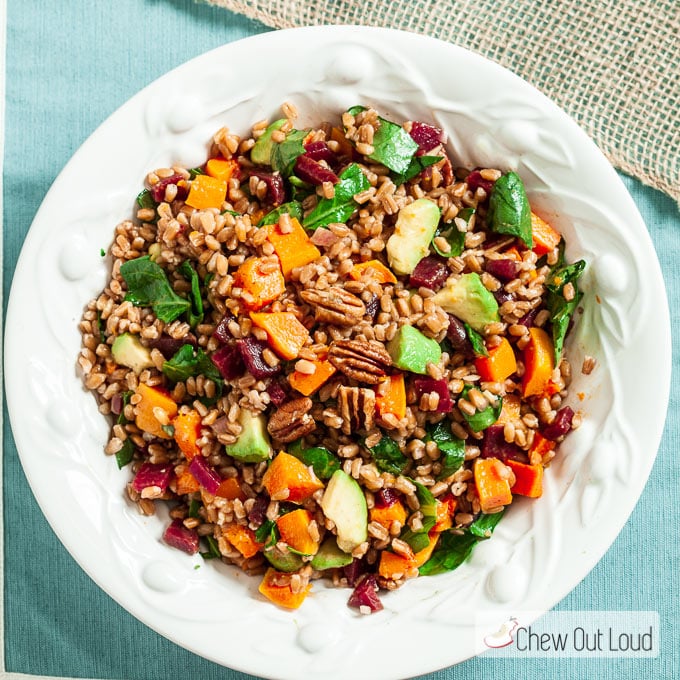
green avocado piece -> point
(252, 446)
(344, 503)
(467, 298)
(412, 351)
(415, 227)
(127, 350)
(283, 560)
(329, 556)
(262, 150)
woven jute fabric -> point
(613, 65)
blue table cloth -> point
(68, 66)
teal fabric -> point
(70, 65)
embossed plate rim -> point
(61, 439)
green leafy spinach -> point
(124, 456)
(388, 456)
(454, 237)
(323, 461)
(480, 420)
(509, 211)
(476, 340)
(195, 312)
(284, 154)
(188, 362)
(562, 310)
(293, 208)
(452, 448)
(416, 166)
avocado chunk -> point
(413, 232)
(412, 351)
(467, 298)
(252, 445)
(127, 350)
(262, 150)
(329, 556)
(344, 504)
(283, 560)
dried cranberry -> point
(373, 306)
(158, 190)
(258, 511)
(222, 333)
(228, 361)
(309, 170)
(503, 269)
(457, 336)
(366, 594)
(251, 351)
(560, 426)
(276, 190)
(502, 296)
(475, 180)
(431, 272)
(386, 498)
(277, 394)
(529, 318)
(426, 136)
(427, 385)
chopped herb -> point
(482, 419)
(145, 200)
(342, 205)
(148, 286)
(231, 212)
(101, 325)
(187, 362)
(560, 309)
(169, 430)
(294, 209)
(194, 507)
(509, 211)
(102, 252)
(213, 549)
(320, 458)
(452, 448)
(195, 313)
(197, 566)
(476, 340)
(417, 165)
(419, 540)
(453, 549)
(208, 279)
(126, 400)
(392, 145)
(124, 456)
(388, 456)
(267, 533)
(284, 154)
(193, 172)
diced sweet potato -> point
(282, 595)
(380, 272)
(222, 168)
(539, 363)
(545, 238)
(307, 383)
(293, 527)
(286, 335)
(528, 479)
(230, 489)
(243, 539)
(287, 473)
(154, 403)
(493, 489)
(187, 431)
(499, 364)
(294, 248)
(391, 396)
(388, 514)
(206, 192)
(186, 483)
(261, 281)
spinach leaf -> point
(284, 154)
(482, 419)
(454, 237)
(195, 313)
(452, 448)
(194, 507)
(267, 533)
(320, 458)
(342, 205)
(148, 286)
(145, 200)
(416, 166)
(213, 551)
(299, 189)
(392, 145)
(294, 209)
(560, 309)
(388, 456)
(124, 456)
(419, 540)
(188, 362)
(126, 400)
(453, 549)
(509, 211)
(476, 340)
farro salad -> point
(332, 353)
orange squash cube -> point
(243, 539)
(528, 479)
(287, 473)
(282, 595)
(261, 282)
(206, 192)
(187, 432)
(294, 248)
(293, 527)
(286, 335)
(155, 402)
(492, 489)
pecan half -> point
(357, 408)
(335, 306)
(363, 361)
(292, 420)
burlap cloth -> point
(613, 65)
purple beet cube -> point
(431, 272)
(276, 190)
(494, 446)
(427, 385)
(222, 333)
(229, 361)
(309, 170)
(205, 475)
(366, 594)
(504, 269)
(152, 474)
(354, 570)
(457, 336)
(277, 394)
(319, 151)
(426, 136)
(475, 180)
(178, 536)
(560, 426)
(251, 351)
(169, 346)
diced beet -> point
(373, 306)
(354, 570)
(529, 318)
(386, 498)
(277, 394)
(494, 446)
(152, 474)
(169, 346)
(319, 151)
(229, 361)
(117, 403)
(560, 426)
(426, 136)
(366, 594)
(431, 272)
(475, 180)
(503, 269)
(426, 385)
(457, 336)
(222, 333)
(251, 350)
(502, 296)
(324, 237)
(178, 536)
(158, 190)
(258, 511)
(276, 190)
(205, 475)
(309, 170)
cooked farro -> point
(329, 364)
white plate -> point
(539, 552)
